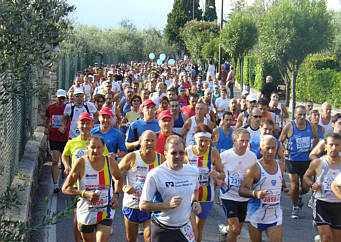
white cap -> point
(78, 91)
(251, 98)
(61, 93)
(245, 92)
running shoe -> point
(56, 190)
(317, 238)
(222, 229)
(300, 202)
(294, 213)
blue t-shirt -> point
(113, 139)
(140, 126)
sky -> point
(143, 13)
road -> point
(294, 230)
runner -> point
(179, 118)
(94, 174)
(235, 161)
(174, 186)
(223, 134)
(255, 120)
(264, 212)
(189, 110)
(327, 206)
(244, 117)
(222, 104)
(137, 164)
(207, 159)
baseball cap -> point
(85, 116)
(182, 89)
(216, 86)
(245, 92)
(251, 98)
(61, 93)
(165, 114)
(199, 83)
(105, 111)
(78, 91)
(147, 102)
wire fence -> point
(18, 120)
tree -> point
(290, 31)
(210, 13)
(210, 51)
(181, 13)
(238, 38)
(195, 34)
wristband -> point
(194, 201)
(253, 193)
(123, 188)
(82, 193)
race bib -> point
(57, 121)
(303, 144)
(80, 152)
(103, 201)
(203, 176)
(187, 231)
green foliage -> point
(249, 72)
(195, 34)
(210, 13)
(210, 51)
(263, 69)
(181, 13)
(319, 62)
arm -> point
(281, 154)
(336, 188)
(124, 165)
(66, 163)
(240, 120)
(218, 172)
(284, 186)
(285, 114)
(184, 117)
(308, 177)
(251, 176)
(47, 126)
(131, 143)
(318, 150)
(215, 134)
(186, 127)
(75, 173)
(118, 179)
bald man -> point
(326, 118)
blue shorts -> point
(205, 209)
(135, 215)
(263, 227)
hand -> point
(62, 129)
(129, 189)
(214, 174)
(196, 208)
(67, 170)
(92, 196)
(114, 202)
(175, 202)
(287, 191)
(219, 182)
(261, 194)
(286, 153)
(113, 155)
(316, 186)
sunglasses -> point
(257, 116)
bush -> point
(320, 62)
(263, 69)
(249, 72)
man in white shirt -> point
(210, 71)
(222, 103)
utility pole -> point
(221, 28)
(193, 10)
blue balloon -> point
(151, 56)
(171, 62)
(162, 56)
(159, 62)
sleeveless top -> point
(267, 210)
(327, 127)
(136, 177)
(204, 164)
(246, 116)
(100, 181)
(253, 132)
(300, 143)
(190, 134)
(326, 178)
(224, 142)
(235, 119)
(178, 124)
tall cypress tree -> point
(210, 11)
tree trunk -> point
(287, 93)
(241, 73)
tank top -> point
(326, 178)
(136, 176)
(235, 119)
(94, 212)
(300, 143)
(253, 132)
(204, 164)
(178, 124)
(246, 116)
(267, 210)
(327, 127)
(190, 134)
(224, 142)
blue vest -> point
(179, 123)
(255, 144)
(224, 142)
(300, 143)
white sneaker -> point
(222, 229)
(317, 238)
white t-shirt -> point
(87, 91)
(338, 179)
(163, 183)
(74, 132)
(156, 98)
(222, 103)
(235, 167)
(211, 72)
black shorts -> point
(297, 167)
(85, 228)
(326, 213)
(55, 145)
(235, 209)
(159, 234)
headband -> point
(202, 134)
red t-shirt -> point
(188, 111)
(184, 101)
(160, 143)
(55, 114)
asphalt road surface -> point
(300, 230)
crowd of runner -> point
(169, 136)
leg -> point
(200, 223)
(146, 231)
(255, 234)
(131, 230)
(336, 234)
(275, 233)
(88, 237)
(194, 226)
(325, 233)
(102, 233)
(233, 229)
(56, 155)
(76, 232)
(294, 182)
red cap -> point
(105, 110)
(165, 114)
(85, 116)
(147, 102)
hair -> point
(174, 139)
(96, 137)
(309, 101)
(202, 128)
(266, 138)
(314, 111)
(237, 132)
(136, 97)
(227, 113)
(267, 121)
(300, 107)
(172, 89)
(334, 136)
(193, 95)
(263, 102)
(336, 117)
(163, 98)
(98, 96)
